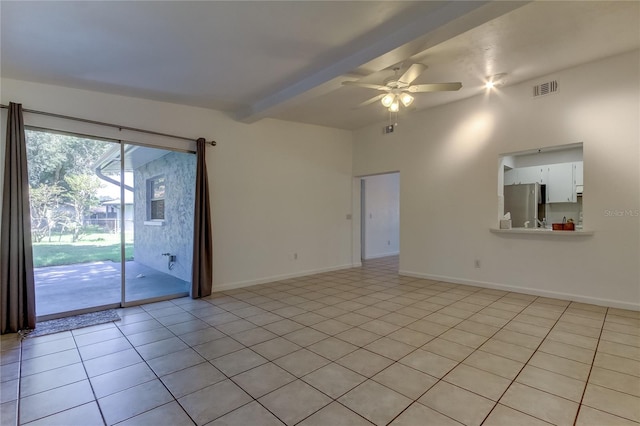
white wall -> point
(382, 215)
(447, 158)
(277, 188)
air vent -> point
(545, 88)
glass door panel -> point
(159, 200)
(75, 224)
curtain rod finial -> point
(213, 143)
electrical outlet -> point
(477, 263)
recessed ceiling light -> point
(496, 80)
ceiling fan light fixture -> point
(395, 106)
(406, 99)
(388, 99)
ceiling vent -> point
(545, 88)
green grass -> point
(92, 248)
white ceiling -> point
(286, 59)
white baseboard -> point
(240, 284)
(528, 290)
(377, 256)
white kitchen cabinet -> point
(561, 187)
(534, 174)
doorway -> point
(91, 202)
(380, 216)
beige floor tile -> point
(111, 362)
(161, 347)
(551, 382)
(616, 363)
(49, 379)
(543, 405)
(617, 381)
(148, 336)
(175, 361)
(498, 313)
(331, 327)
(305, 336)
(520, 339)
(507, 350)
(48, 348)
(53, 401)
(254, 336)
(428, 327)
(613, 402)
(301, 362)
(457, 403)
(294, 402)
(263, 379)
(165, 415)
(524, 328)
(275, 348)
(405, 380)
(121, 379)
(133, 401)
(40, 364)
(335, 414)
(618, 349)
(379, 327)
(490, 320)
(577, 329)
(87, 414)
(447, 348)
(358, 336)
(563, 350)
(418, 414)
(477, 328)
(410, 337)
(390, 348)
(502, 415)
(564, 366)
(365, 362)
(218, 348)
(495, 364)
(581, 320)
(622, 328)
(574, 339)
(236, 326)
(332, 348)
(375, 402)
(625, 339)
(192, 379)
(478, 381)
(428, 362)
(214, 401)
(250, 414)
(591, 417)
(308, 318)
(283, 326)
(334, 379)
(237, 362)
(530, 319)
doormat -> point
(71, 323)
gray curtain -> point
(202, 269)
(17, 292)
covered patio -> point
(86, 285)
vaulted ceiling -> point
(287, 59)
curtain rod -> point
(101, 123)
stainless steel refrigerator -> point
(525, 203)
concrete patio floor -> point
(86, 285)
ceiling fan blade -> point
(370, 101)
(434, 87)
(412, 73)
(366, 85)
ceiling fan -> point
(399, 89)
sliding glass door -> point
(106, 232)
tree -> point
(82, 197)
(45, 202)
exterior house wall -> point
(175, 236)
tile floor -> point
(352, 347)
